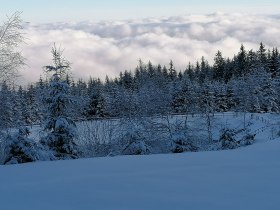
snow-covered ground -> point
(266, 126)
(245, 178)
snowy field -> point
(245, 178)
(104, 131)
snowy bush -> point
(181, 144)
(135, 144)
(231, 139)
(18, 148)
(227, 139)
(248, 139)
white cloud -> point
(106, 48)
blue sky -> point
(78, 10)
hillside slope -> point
(245, 178)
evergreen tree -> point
(172, 71)
(151, 70)
(165, 72)
(241, 62)
(26, 109)
(20, 148)
(6, 114)
(219, 67)
(190, 72)
(204, 70)
(127, 80)
(220, 97)
(252, 59)
(96, 103)
(268, 97)
(274, 63)
(229, 70)
(208, 107)
(33, 110)
(262, 57)
(16, 108)
(230, 97)
(183, 98)
(60, 128)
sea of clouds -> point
(105, 48)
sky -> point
(79, 10)
(106, 37)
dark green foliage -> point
(6, 112)
(241, 63)
(21, 149)
(227, 139)
(181, 145)
(219, 67)
(248, 139)
(231, 139)
(248, 82)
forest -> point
(246, 83)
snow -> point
(245, 178)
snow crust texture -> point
(245, 178)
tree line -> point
(247, 82)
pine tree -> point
(204, 70)
(229, 70)
(33, 105)
(16, 108)
(208, 107)
(252, 59)
(241, 62)
(268, 97)
(183, 98)
(230, 98)
(19, 148)
(60, 128)
(165, 72)
(5, 108)
(151, 70)
(25, 109)
(190, 72)
(262, 57)
(96, 103)
(127, 80)
(172, 71)
(274, 63)
(219, 67)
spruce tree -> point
(262, 56)
(19, 148)
(274, 63)
(5, 108)
(172, 71)
(268, 97)
(219, 67)
(60, 128)
(241, 62)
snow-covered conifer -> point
(5, 107)
(19, 148)
(60, 128)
